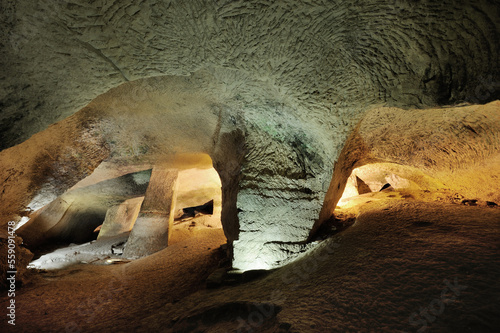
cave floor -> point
(92, 298)
(404, 265)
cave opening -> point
(378, 184)
(374, 181)
(380, 181)
(102, 218)
(287, 98)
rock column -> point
(151, 230)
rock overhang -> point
(270, 92)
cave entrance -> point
(176, 198)
(376, 184)
(380, 181)
(365, 182)
(198, 201)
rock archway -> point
(288, 99)
(271, 91)
(456, 155)
(156, 120)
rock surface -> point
(392, 264)
(58, 56)
(73, 216)
(153, 226)
(460, 154)
(22, 258)
(274, 179)
(270, 91)
(120, 218)
(286, 98)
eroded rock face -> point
(73, 216)
(120, 218)
(275, 173)
(456, 149)
(58, 56)
(151, 230)
(269, 90)
(22, 258)
(272, 168)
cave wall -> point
(458, 154)
(153, 226)
(56, 56)
(72, 217)
(269, 172)
(270, 90)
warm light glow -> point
(376, 175)
(189, 161)
(349, 191)
(22, 222)
(198, 186)
(195, 186)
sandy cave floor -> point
(386, 273)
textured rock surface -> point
(22, 258)
(197, 187)
(153, 226)
(270, 90)
(120, 218)
(58, 56)
(391, 266)
(256, 151)
(459, 153)
(73, 216)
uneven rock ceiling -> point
(271, 90)
(313, 56)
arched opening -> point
(377, 181)
(445, 159)
(96, 166)
(97, 219)
(294, 77)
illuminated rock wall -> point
(120, 218)
(58, 56)
(459, 153)
(269, 89)
(73, 216)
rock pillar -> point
(151, 230)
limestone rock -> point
(460, 154)
(153, 226)
(269, 90)
(361, 186)
(216, 279)
(73, 216)
(120, 218)
(356, 51)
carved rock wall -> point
(269, 89)
(461, 153)
(56, 56)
